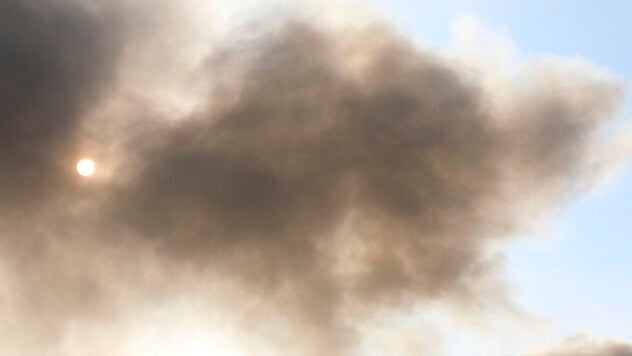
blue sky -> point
(577, 274)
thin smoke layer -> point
(329, 175)
(584, 345)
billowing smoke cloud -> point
(313, 131)
(327, 175)
(583, 345)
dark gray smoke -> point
(583, 345)
(55, 59)
(329, 175)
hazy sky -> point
(311, 178)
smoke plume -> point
(583, 345)
(324, 176)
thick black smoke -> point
(330, 175)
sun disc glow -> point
(86, 167)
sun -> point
(86, 167)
